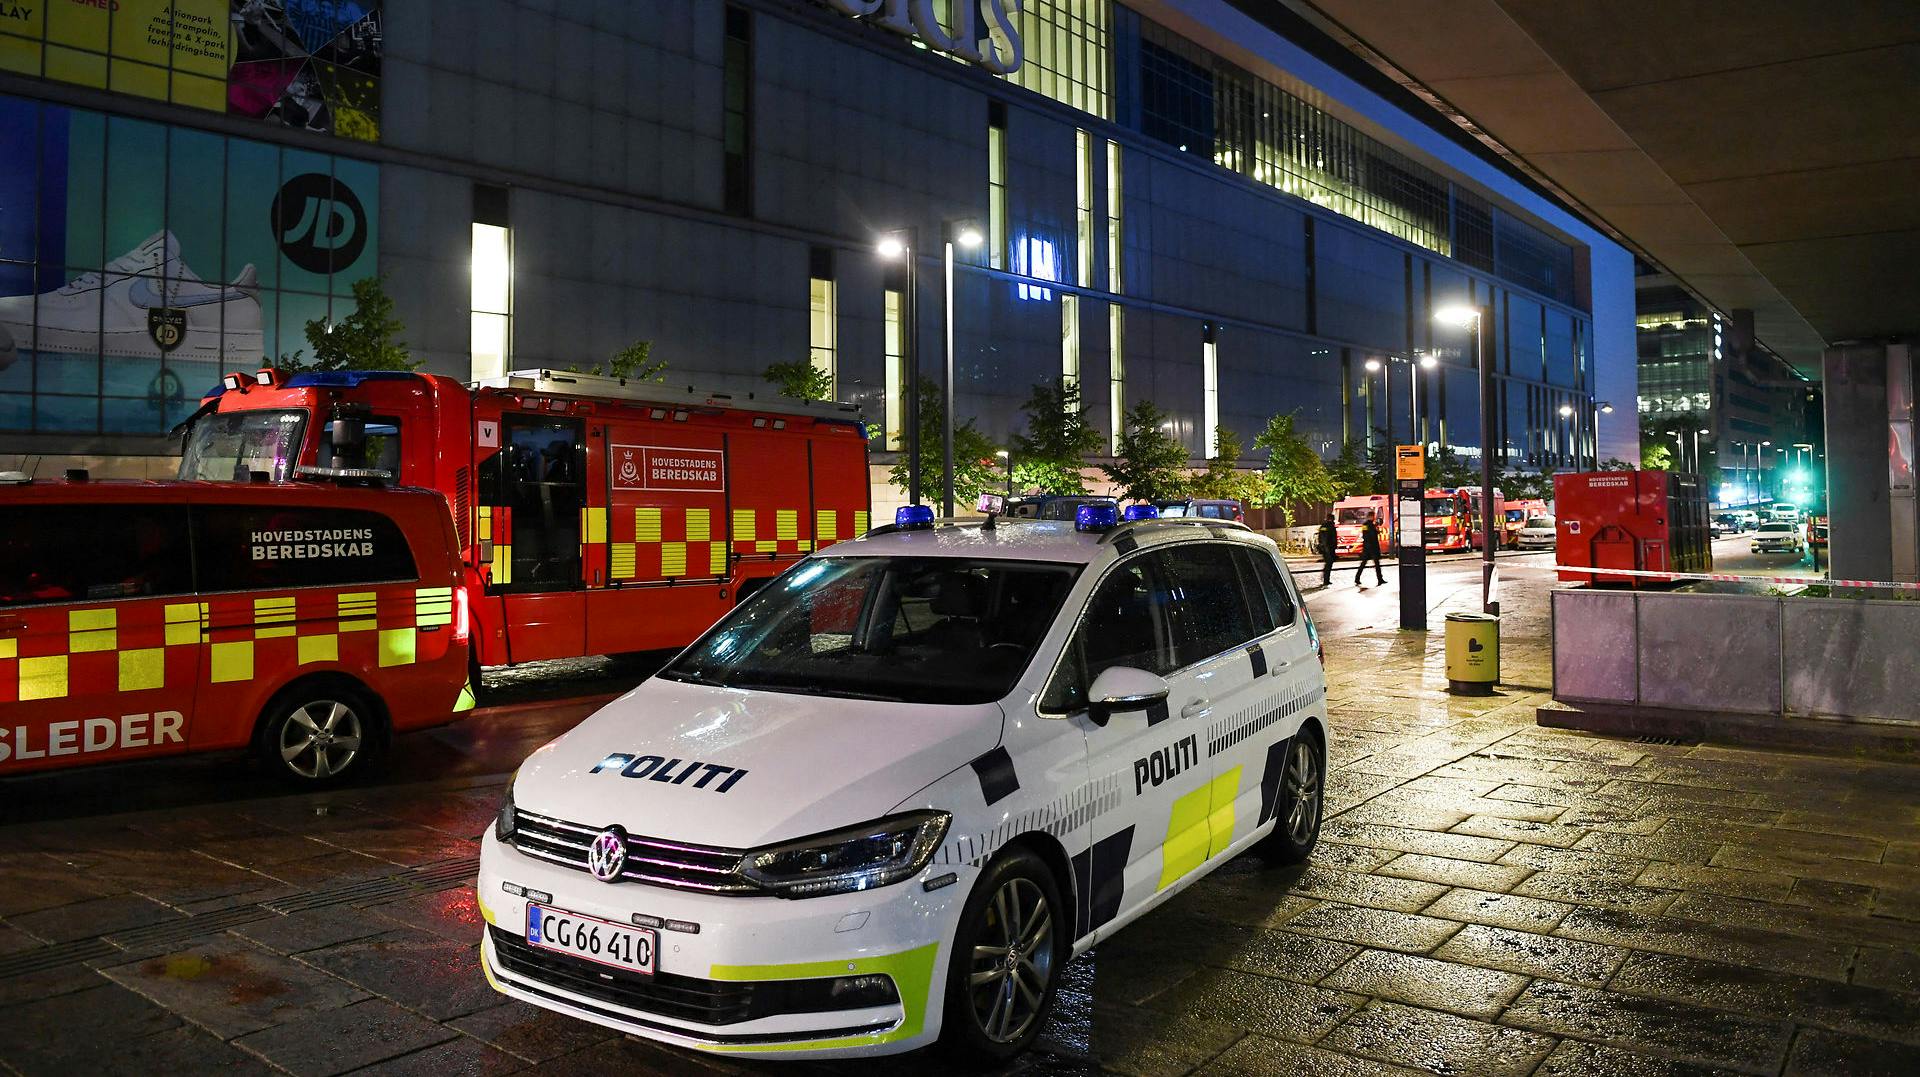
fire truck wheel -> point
(320, 732)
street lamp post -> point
(966, 234)
(1008, 457)
(898, 246)
(1426, 362)
(1477, 317)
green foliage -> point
(634, 362)
(1352, 471)
(1295, 474)
(1656, 457)
(1150, 463)
(976, 468)
(800, 380)
(366, 339)
(1521, 484)
(1223, 477)
(1447, 470)
(1614, 463)
(1048, 457)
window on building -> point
(1070, 338)
(996, 185)
(1210, 381)
(736, 113)
(824, 317)
(894, 342)
(1083, 208)
(1064, 47)
(491, 303)
(1114, 209)
(1116, 370)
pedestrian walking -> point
(1328, 539)
(1370, 551)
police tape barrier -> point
(1728, 577)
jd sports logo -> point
(319, 223)
(167, 326)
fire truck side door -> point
(542, 488)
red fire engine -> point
(1350, 515)
(596, 516)
(1448, 521)
(1650, 521)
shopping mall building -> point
(1177, 202)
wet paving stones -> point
(425, 973)
(1374, 927)
(1469, 990)
(1682, 1031)
(1259, 1004)
(1450, 872)
(231, 987)
(327, 1042)
(1499, 910)
(1527, 953)
(1440, 1043)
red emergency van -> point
(307, 621)
(1350, 515)
(595, 515)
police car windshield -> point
(912, 629)
(229, 446)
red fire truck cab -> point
(594, 515)
(1350, 515)
(1648, 521)
(1448, 525)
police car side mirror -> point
(1120, 689)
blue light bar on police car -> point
(913, 517)
(1095, 517)
(1140, 512)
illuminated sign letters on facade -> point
(997, 51)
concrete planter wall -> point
(1738, 654)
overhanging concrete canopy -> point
(1766, 153)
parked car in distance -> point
(1537, 533)
(1728, 523)
(1817, 532)
(1206, 508)
(1777, 536)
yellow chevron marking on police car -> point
(912, 973)
(273, 618)
(319, 648)
(743, 525)
(230, 662)
(621, 560)
(1185, 846)
(91, 630)
(673, 559)
(593, 523)
(143, 668)
(397, 646)
(699, 525)
(183, 622)
(43, 678)
(357, 610)
(646, 525)
(1220, 821)
(826, 524)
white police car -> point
(888, 797)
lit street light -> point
(1477, 318)
(898, 246)
(1375, 366)
(966, 234)
(1008, 457)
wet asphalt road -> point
(1489, 897)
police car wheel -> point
(1296, 826)
(320, 735)
(1007, 955)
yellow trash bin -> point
(1473, 653)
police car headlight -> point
(504, 823)
(859, 858)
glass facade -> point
(1066, 46)
(823, 328)
(140, 261)
(1676, 361)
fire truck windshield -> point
(1441, 506)
(1355, 515)
(230, 446)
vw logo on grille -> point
(608, 854)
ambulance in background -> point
(595, 515)
(306, 621)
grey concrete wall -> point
(1859, 517)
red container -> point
(1646, 521)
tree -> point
(1149, 463)
(1223, 478)
(800, 380)
(366, 339)
(634, 362)
(1351, 472)
(1656, 457)
(1447, 470)
(976, 467)
(1614, 463)
(1295, 473)
(1048, 457)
